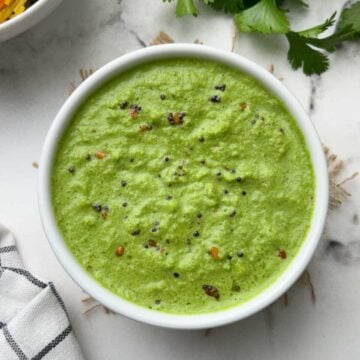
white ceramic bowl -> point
(117, 304)
(28, 18)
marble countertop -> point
(321, 317)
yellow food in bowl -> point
(11, 8)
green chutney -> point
(183, 186)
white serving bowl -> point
(28, 18)
(112, 301)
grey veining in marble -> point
(320, 318)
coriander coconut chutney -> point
(183, 186)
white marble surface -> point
(36, 70)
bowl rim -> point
(137, 312)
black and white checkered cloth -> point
(34, 323)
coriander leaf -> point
(302, 3)
(302, 55)
(228, 6)
(319, 29)
(250, 3)
(347, 30)
(331, 42)
(264, 17)
(186, 7)
(350, 17)
(305, 45)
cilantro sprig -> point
(307, 48)
(264, 17)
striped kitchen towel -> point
(34, 323)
